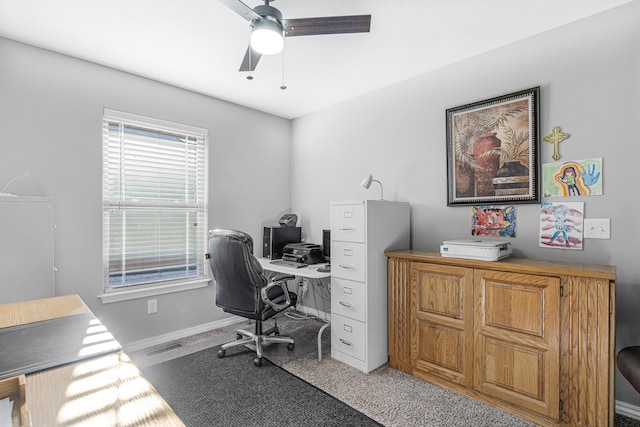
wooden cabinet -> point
(534, 338)
(361, 231)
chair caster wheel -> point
(290, 346)
(257, 361)
(238, 336)
(221, 353)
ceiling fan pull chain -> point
(250, 76)
(283, 87)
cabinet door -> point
(516, 343)
(442, 325)
(26, 249)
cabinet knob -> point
(346, 228)
(345, 304)
(345, 342)
(346, 267)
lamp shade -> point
(366, 181)
(266, 36)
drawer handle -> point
(347, 267)
(346, 229)
(345, 304)
(345, 342)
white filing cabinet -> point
(361, 232)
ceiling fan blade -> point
(251, 58)
(241, 9)
(327, 25)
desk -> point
(310, 272)
(103, 391)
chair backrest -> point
(237, 273)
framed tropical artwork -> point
(493, 150)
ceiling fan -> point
(268, 28)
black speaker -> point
(326, 244)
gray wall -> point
(590, 85)
(51, 109)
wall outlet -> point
(597, 228)
(152, 306)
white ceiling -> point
(199, 44)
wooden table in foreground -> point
(106, 391)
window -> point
(154, 203)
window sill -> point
(129, 294)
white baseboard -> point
(176, 335)
(628, 410)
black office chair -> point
(242, 289)
(629, 365)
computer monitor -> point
(275, 238)
(326, 244)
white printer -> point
(484, 250)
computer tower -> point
(274, 239)
(326, 245)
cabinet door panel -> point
(516, 344)
(442, 328)
(514, 368)
(440, 348)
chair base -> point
(259, 338)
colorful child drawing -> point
(561, 225)
(570, 179)
(493, 221)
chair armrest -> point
(279, 277)
(279, 280)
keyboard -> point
(290, 264)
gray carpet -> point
(386, 395)
(205, 390)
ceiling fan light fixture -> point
(267, 36)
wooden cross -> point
(556, 137)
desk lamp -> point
(366, 183)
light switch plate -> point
(597, 228)
(152, 306)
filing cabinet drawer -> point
(348, 336)
(347, 222)
(348, 299)
(347, 261)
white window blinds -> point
(154, 201)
